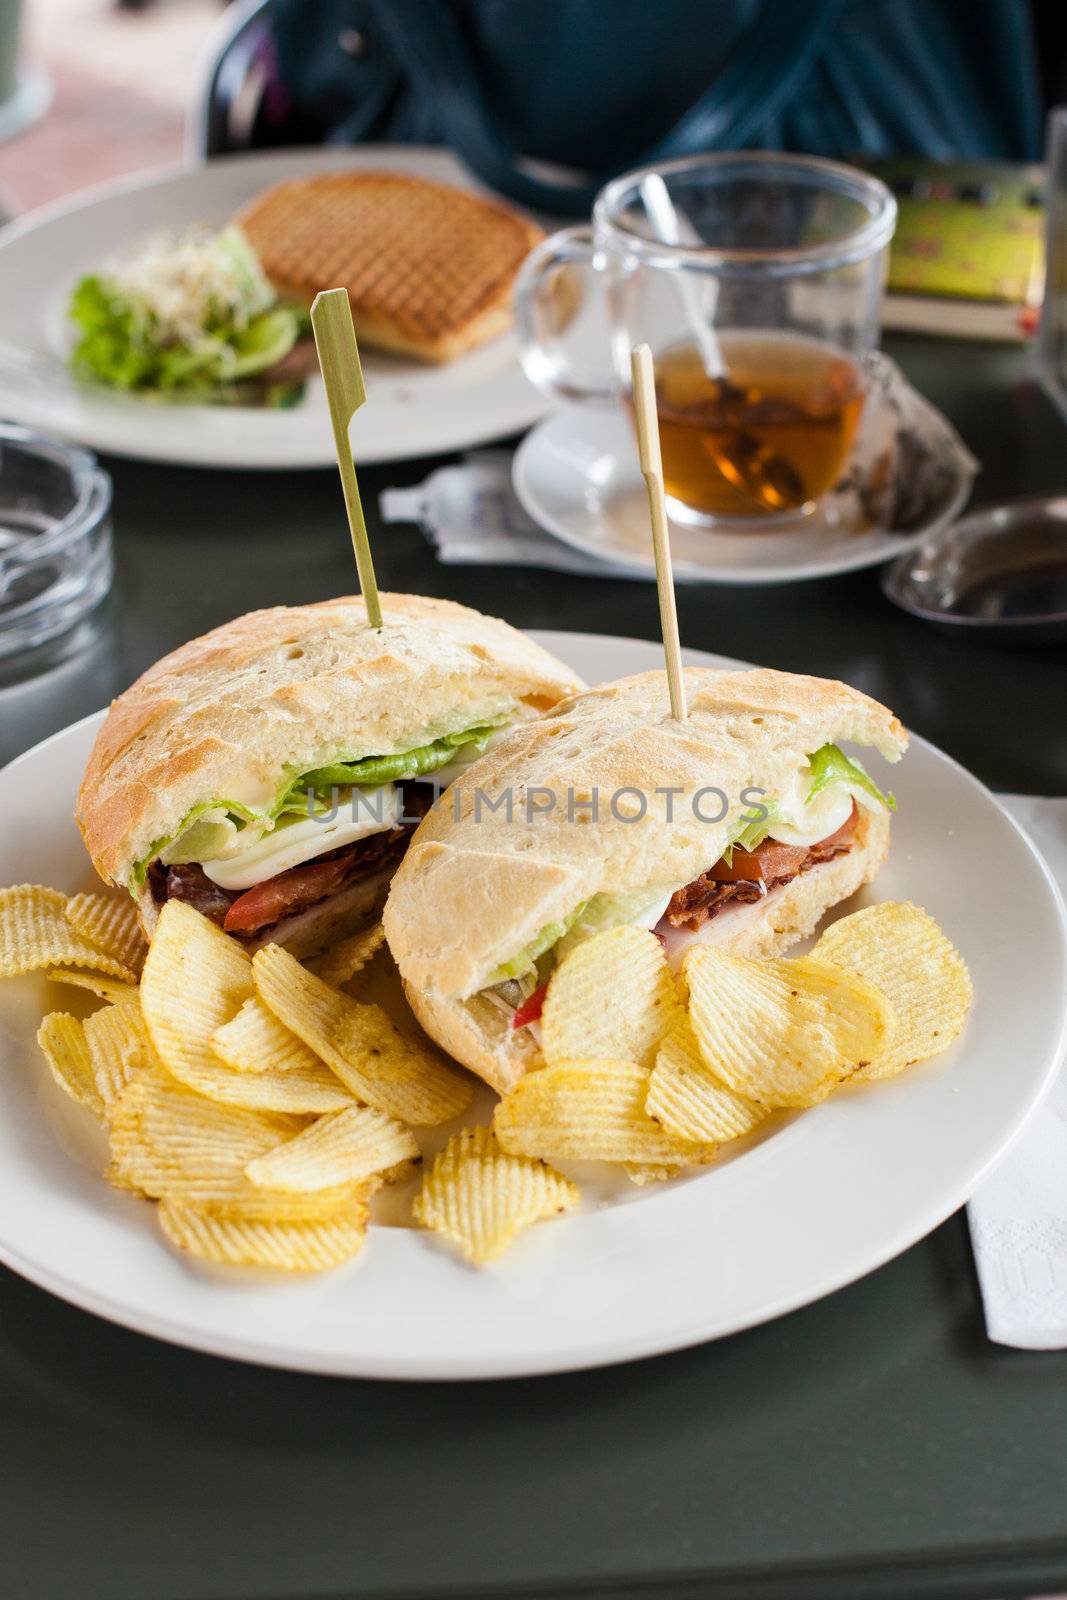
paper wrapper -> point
(906, 459)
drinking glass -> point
(756, 278)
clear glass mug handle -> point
(549, 304)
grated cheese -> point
(186, 282)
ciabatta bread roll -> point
(195, 785)
(482, 905)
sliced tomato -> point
(531, 1008)
(284, 894)
(769, 860)
(774, 860)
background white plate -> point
(821, 1200)
(577, 475)
(412, 409)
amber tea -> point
(770, 437)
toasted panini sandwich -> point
(740, 826)
(429, 268)
(271, 773)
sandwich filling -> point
(329, 831)
(772, 845)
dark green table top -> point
(874, 1444)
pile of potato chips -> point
(658, 1074)
(262, 1143)
(261, 1106)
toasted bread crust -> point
(232, 715)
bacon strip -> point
(752, 874)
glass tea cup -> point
(756, 278)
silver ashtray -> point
(56, 562)
(1001, 571)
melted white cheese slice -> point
(809, 824)
(370, 811)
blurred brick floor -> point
(123, 81)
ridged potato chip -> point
(255, 1041)
(900, 948)
(786, 1032)
(300, 1090)
(62, 1038)
(168, 1141)
(479, 1197)
(110, 989)
(590, 1110)
(111, 924)
(195, 980)
(182, 1134)
(312, 1246)
(612, 997)
(119, 1047)
(35, 935)
(344, 960)
(689, 1100)
(383, 1067)
(343, 1147)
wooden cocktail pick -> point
(335, 341)
(644, 396)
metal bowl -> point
(999, 572)
(55, 538)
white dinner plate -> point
(822, 1198)
(577, 475)
(412, 409)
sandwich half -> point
(740, 826)
(272, 772)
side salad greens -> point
(191, 318)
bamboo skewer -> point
(644, 397)
(335, 342)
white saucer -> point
(576, 474)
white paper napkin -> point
(1019, 1216)
(470, 514)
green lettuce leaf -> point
(118, 345)
(371, 771)
(266, 340)
(606, 911)
(830, 765)
(235, 811)
(111, 347)
(549, 935)
(750, 835)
